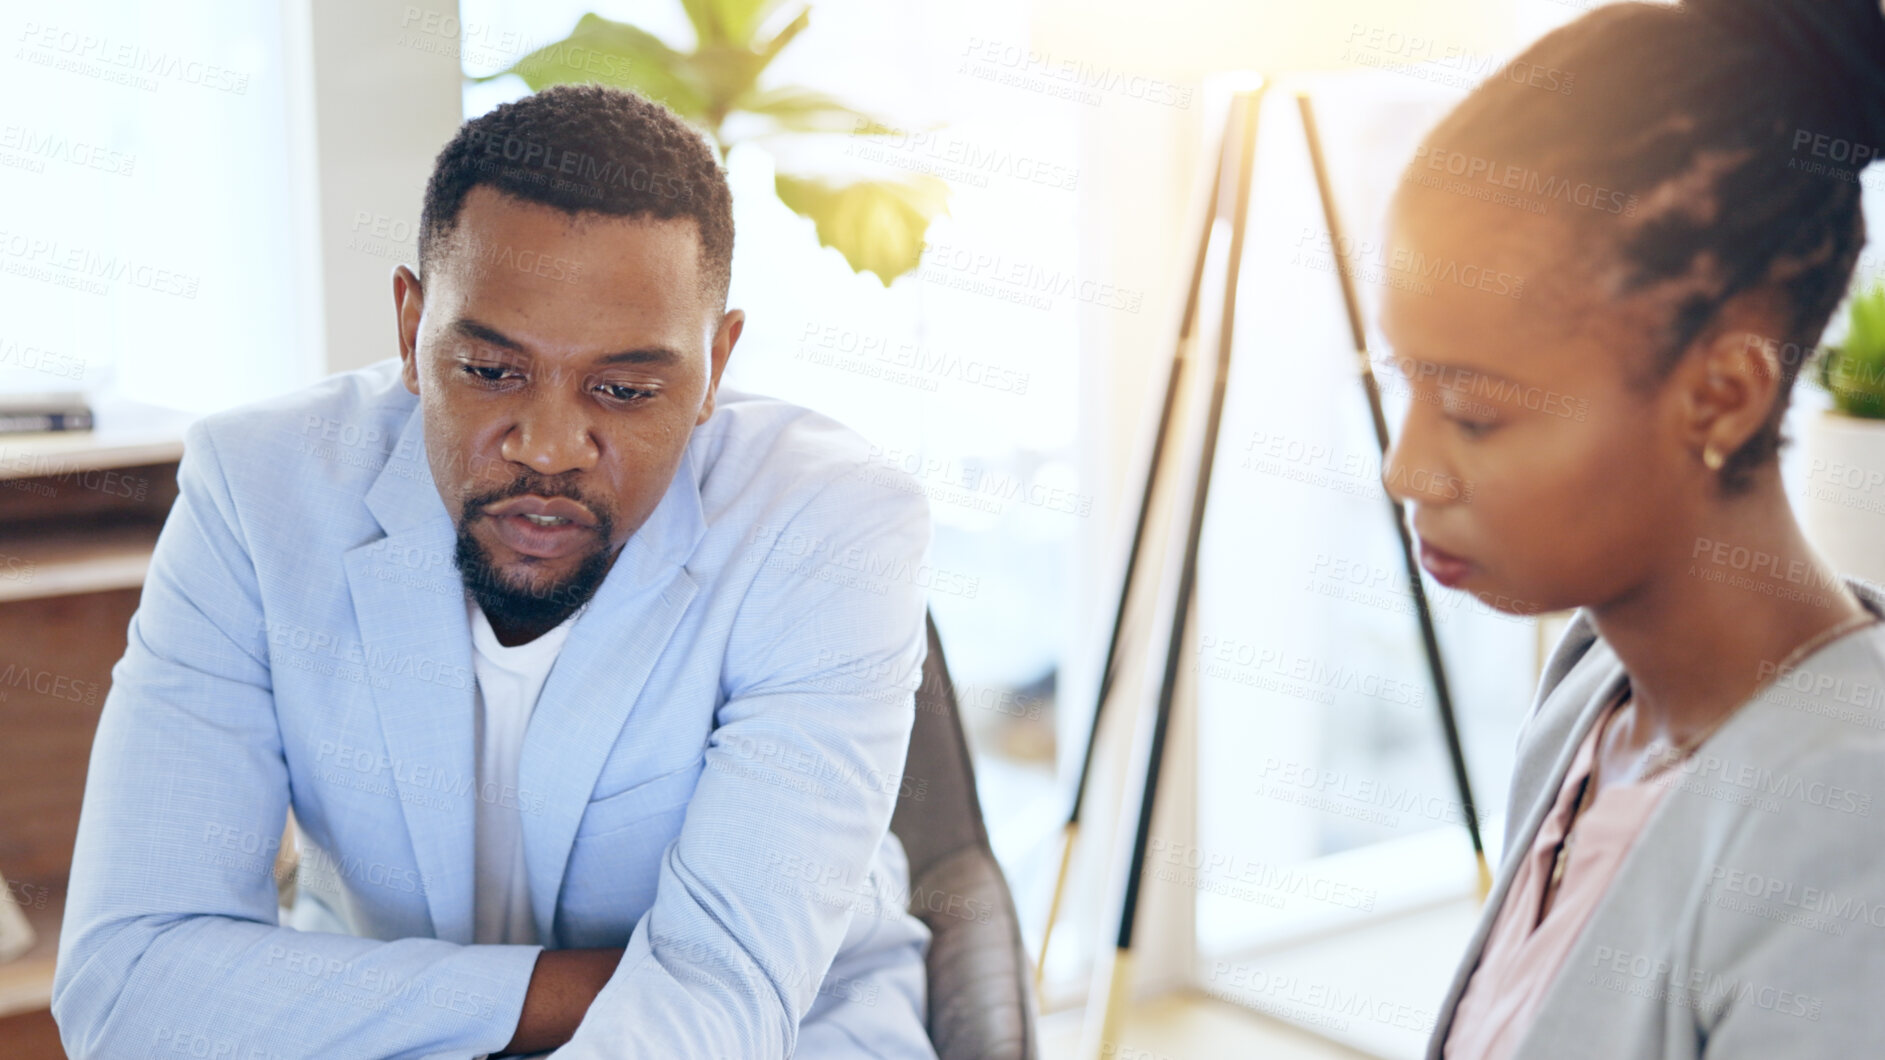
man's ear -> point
(408, 308)
(724, 338)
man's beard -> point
(509, 604)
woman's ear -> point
(1729, 384)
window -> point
(152, 243)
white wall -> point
(386, 94)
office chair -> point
(981, 1004)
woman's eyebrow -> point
(1450, 373)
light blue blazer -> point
(707, 778)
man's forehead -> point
(544, 261)
(493, 224)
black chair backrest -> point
(981, 1004)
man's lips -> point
(542, 527)
(542, 507)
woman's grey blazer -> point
(1748, 919)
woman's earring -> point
(1711, 458)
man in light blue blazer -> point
(676, 843)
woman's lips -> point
(1447, 569)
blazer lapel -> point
(598, 678)
(1553, 735)
(410, 605)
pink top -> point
(1523, 955)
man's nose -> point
(551, 437)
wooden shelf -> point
(70, 561)
(80, 513)
(128, 434)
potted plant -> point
(1844, 511)
(877, 224)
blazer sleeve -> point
(170, 941)
(1790, 942)
(803, 768)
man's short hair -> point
(587, 148)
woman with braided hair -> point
(1695, 844)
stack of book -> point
(60, 411)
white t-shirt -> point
(509, 681)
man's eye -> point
(488, 373)
(618, 392)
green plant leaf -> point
(705, 20)
(878, 225)
(738, 20)
(771, 49)
(795, 109)
(726, 74)
(1854, 373)
(731, 71)
(1867, 335)
(612, 53)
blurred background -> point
(964, 230)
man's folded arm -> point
(801, 774)
(170, 939)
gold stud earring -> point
(1711, 458)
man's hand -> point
(562, 986)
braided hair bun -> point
(1829, 56)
